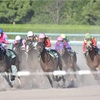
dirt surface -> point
(85, 93)
(37, 87)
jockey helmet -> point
(30, 33)
(42, 35)
(88, 36)
(63, 35)
(17, 37)
(1, 31)
(59, 38)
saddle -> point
(97, 50)
(54, 53)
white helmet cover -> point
(17, 37)
(30, 33)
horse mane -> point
(44, 51)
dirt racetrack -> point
(37, 87)
(84, 93)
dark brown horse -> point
(32, 58)
(5, 65)
(48, 63)
(69, 63)
(92, 58)
(69, 60)
(22, 56)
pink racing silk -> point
(4, 38)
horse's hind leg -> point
(96, 76)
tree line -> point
(69, 12)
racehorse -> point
(5, 65)
(22, 56)
(48, 63)
(69, 62)
(32, 55)
(92, 58)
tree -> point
(15, 10)
(91, 13)
(54, 8)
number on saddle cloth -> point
(10, 53)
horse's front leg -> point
(50, 80)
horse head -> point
(89, 46)
(61, 49)
(17, 48)
(40, 47)
(90, 50)
(29, 45)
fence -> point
(74, 41)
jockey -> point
(61, 41)
(65, 37)
(88, 37)
(46, 40)
(66, 40)
(47, 43)
(3, 40)
(18, 40)
(31, 37)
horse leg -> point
(50, 80)
(96, 76)
(6, 76)
(74, 70)
(14, 68)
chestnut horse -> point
(92, 58)
(48, 63)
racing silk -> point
(35, 38)
(62, 45)
(4, 38)
(93, 40)
(21, 42)
(66, 44)
(59, 46)
(47, 42)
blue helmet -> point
(1, 31)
